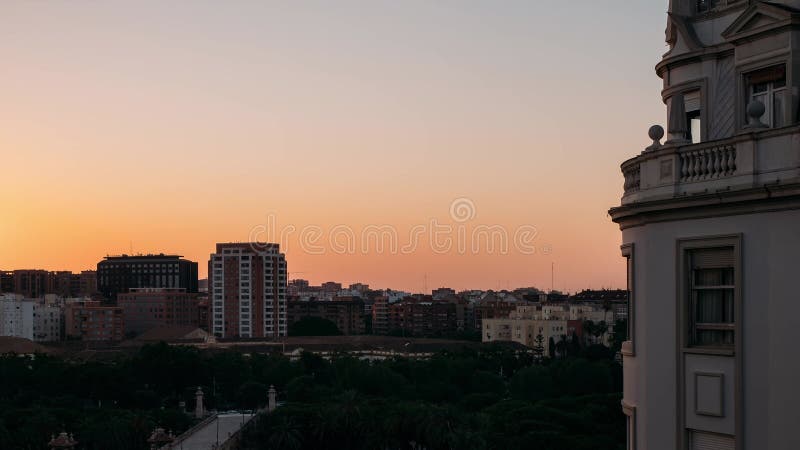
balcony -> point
(755, 158)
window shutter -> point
(692, 101)
(708, 258)
(710, 441)
(767, 75)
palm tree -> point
(284, 434)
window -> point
(768, 86)
(711, 295)
(628, 346)
(691, 101)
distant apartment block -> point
(442, 292)
(380, 315)
(525, 331)
(247, 290)
(29, 319)
(416, 317)
(46, 322)
(147, 308)
(490, 306)
(118, 274)
(348, 315)
(91, 321)
(6, 282)
(16, 317)
(32, 283)
(331, 287)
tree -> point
(620, 334)
(314, 326)
(561, 346)
(252, 394)
(574, 347)
(551, 347)
(538, 348)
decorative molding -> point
(720, 411)
(776, 15)
(703, 206)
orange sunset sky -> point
(170, 126)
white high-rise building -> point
(710, 225)
(247, 291)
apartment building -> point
(247, 290)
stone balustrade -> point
(754, 158)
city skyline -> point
(208, 119)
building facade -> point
(144, 309)
(16, 316)
(348, 315)
(526, 331)
(32, 283)
(380, 315)
(91, 321)
(118, 274)
(247, 291)
(422, 317)
(709, 224)
(46, 322)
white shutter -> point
(701, 440)
(708, 258)
(692, 101)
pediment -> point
(758, 18)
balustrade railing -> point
(707, 163)
(632, 178)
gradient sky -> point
(170, 126)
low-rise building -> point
(530, 332)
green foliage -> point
(486, 398)
(314, 326)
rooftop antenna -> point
(552, 276)
(425, 283)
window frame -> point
(769, 94)
(629, 346)
(695, 326)
(745, 71)
(630, 425)
(682, 271)
(684, 301)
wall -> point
(771, 256)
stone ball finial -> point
(755, 109)
(656, 132)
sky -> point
(443, 126)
